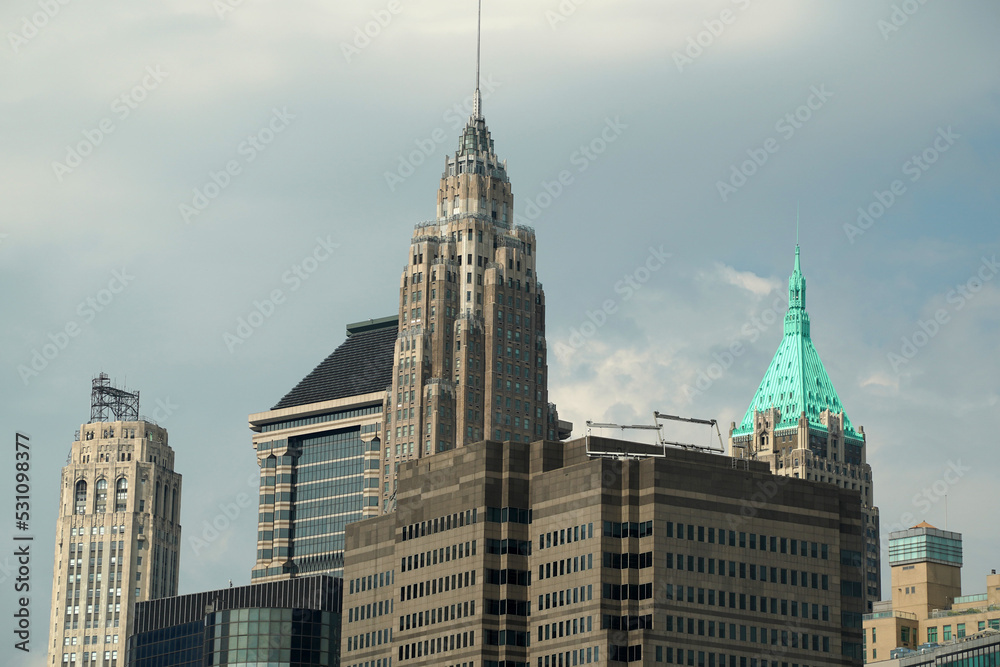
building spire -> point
(477, 99)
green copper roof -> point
(796, 381)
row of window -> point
(435, 556)
(565, 566)
(752, 571)
(509, 576)
(448, 522)
(419, 619)
(508, 546)
(628, 529)
(744, 601)
(371, 610)
(508, 515)
(575, 657)
(744, 540)
(318, 419)
(565, 597)
(627, 591)
(372, 581)
(566, 628)
(627, 561)
(437, 645)
(507, 607)
(778, 637)
(435, 586)
(562, 536)
(369, 639)
(506, 637)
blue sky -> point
(688, 129)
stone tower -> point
(797, 424)
(118, 531)
(470, 359)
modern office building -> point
(797, 424)
(470, 362)
(118, 532)
(319, 454)
(291, 623)
(927, 605)
(598, 551)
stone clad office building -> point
(519, 554)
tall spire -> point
(477, 100)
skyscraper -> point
(319, 454)
(797, 424)
(118, 531)
(470, 361)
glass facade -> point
(244, 638)
(924, 545)
(328, 495)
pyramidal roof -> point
(796, 380)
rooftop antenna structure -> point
(477, 101)
(109, 403)
(657, 416)
(661, 441)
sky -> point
(167, 169)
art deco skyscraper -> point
(118, 532)
(470, 361)
(797, 424)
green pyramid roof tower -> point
(796, 380)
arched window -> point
(156, 501)
(81, 497)
(101, 500)
(121, 494)
(173, 505)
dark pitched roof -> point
(361, 365)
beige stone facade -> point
(823, 455)
(521, 554)
(927, 604)
(471, 359)
(117, 539)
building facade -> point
(470, 362)
(319, 454)
(118, 532)
(548, 554)
(927, 606)
(291, 623)
(797, 424)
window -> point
(121, 494)
(81, 497)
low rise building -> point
(927, 605)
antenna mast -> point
(476, 109)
